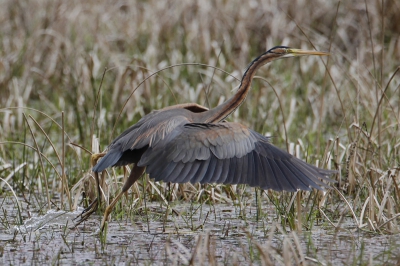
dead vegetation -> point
(74, 74)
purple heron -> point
(189, 143)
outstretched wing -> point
(228, 153)
(129, 146)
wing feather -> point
(292, 179)
(224, 172)
(269, 179)
(194, 168)
(250, 176)
(210, 172)
(200, 172)
(241, 169)
(169, 171)
(231, 171)
(179, 173)
(219, 164)
(228, 153)
(258, 171)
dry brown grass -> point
(347, 107)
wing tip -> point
(110, 159)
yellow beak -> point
(305, 52)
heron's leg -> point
(136, 173)
(94, 205)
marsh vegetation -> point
(75, 74)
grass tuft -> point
(75, 74)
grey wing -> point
(228, 153)
(129, 146)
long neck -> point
(225, 109)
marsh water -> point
(194, 233)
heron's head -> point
(284, 51)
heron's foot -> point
(95, 157)
(86, 212)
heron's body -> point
(189, 143)
(128, 147)
(175, 146)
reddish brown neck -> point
(220, 112)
